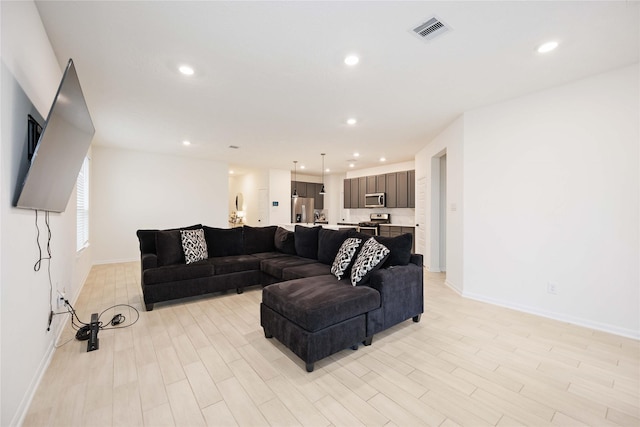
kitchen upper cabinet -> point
(381, 183)
(318, 198)
(362, 190)
(399, 188)
(354, 193)
(391, 190)
(371, 184)
(402, 189)
(347, 193)
(310, 190)
(412, 188)
(302, 188)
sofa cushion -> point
(147, 238)
(176, 273)
(305, 270)
(345, 257)
(259, 239)
(400, 247)
(169, 247)
(234, 264)
(284, 241)
(275, 266)
(315, 303)
(329, 241)
(224, 241)
(306, 241)
(370, 258)
(193, 245)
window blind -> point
(82, 206)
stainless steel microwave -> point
(374, 200)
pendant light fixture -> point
(322, 189)
(295, 180)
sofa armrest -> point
(148, 261)
(401, 294)
(417, 259)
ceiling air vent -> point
(431, 29)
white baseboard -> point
(604, 327)
(453, 287)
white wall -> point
(551, 194)
(132, 190)
(29, 74)
(449, 141)
(279, 191)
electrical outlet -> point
(552, 288)
(60, 300)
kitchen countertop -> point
(292, 226)
(340, 225)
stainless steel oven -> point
(370, 230)
(372, 227)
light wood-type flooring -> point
(205, 361)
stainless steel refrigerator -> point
(302, 209)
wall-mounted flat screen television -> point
(61, 149)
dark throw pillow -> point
(169, 247)
(329, 241)
(194, 245)
(306, 241)
(224, 241)
(259, 239)
(400, 247)
(371, 257)
(284, 241)
(345, 256)
(147, 238)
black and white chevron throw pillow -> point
(370, 258)
(344, 256)
(194, 245)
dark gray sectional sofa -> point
(304, 305)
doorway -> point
(439, 212)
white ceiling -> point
(270, 76)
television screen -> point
(61, 149)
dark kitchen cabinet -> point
(318, 198)
(355, 192)
(362, 190)
(371, 184)
(302, 189)
(412, 188)
(402, 189)
(347, 193)
(381, 183)
(391, 190)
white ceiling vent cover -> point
(431, 29)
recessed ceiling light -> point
(351, 165)
(352, 121)
(383, 159)
(327, 170)
(356, 154)
(231, 172)
(302, 166)
(186, 143)
(186, 70)
(547, 47)
(351, 60)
